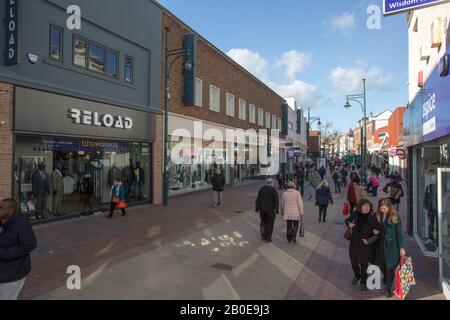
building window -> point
(279, 124)
(268, 120)
(96, 58)
(79, 52)
(274, 122)
(129, 69)
(198, 92)
(56, 43)
(112, 63)
(230, 105)
(242, 109)
(291, 126)
(214, 98)
(252, 115)
(260, 117)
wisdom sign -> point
(398, 6)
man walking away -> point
(17, 241)
(267, 205)
(322, 172)
(218, 184)
(337, 181)
(301, 180)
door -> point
(444, 228)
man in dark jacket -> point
(218, 184)
(267, 204)
(301, 179)
(17, 240)
(395, 192)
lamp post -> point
(171, 56)
(358, 98)
(311, 120)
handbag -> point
(121, 204)
(346, 209)
(348, 234)
(404, 278)
(301, 232)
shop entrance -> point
(444, 227)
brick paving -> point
(317, 269)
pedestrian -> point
(17, 241)
(301, 180)
(280, 180)
(364, 229)
(391, 246)
(314, 181)
(351, 195)
(86, 191)
(344, 174)
(322, 172)
(117, 197)
(267, 205)
(337, 178)
(353, 173)
(373, 185)
(292, 210)
(395, 192)
(323, 199)
(218, 184)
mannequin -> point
(430, 204)
(128, 173)
(58, 189)
(41, 190)
(113, 173)
(138, 181)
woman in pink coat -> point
(292, 210)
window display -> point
(60, 176)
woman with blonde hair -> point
(391, 246)
(292, 210)
(323, 199)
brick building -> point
(226, 97)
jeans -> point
(301, 187)
(312, 192)
(323, 211)
(397, 207)
(337, 186)
(10, 291)
(217, 197)
(267, 224)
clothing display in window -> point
(58, 190)
(113, 174)
(41, 190)
(138, 182)
(69, 185)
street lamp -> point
(171, 57)
(311, 120)
(358, 98)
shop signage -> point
(86, 145)
(398, 6)
(90, 118)
(12, 32)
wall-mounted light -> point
(3, 91)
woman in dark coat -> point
(364, 228)
(323, 199)
(391, 246)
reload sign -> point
(90, 118)
(398, 6)
(12, 32)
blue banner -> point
(398, 6)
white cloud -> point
(349, 80)
(251, 61)
(344, 24)
(293, 62)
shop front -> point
(68, 152)
(427, 134)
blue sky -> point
(316, 50)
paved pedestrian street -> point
(191, 250)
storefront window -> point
(77, 174)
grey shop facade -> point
(68, 151)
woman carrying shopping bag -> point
(117, 198)
(391, 246)
(292, 210)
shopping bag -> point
(121, 204)
(404, 278)
(301, 232)
(346, 209)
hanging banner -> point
(12, 32)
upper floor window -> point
(260, 117)
(198, 92)
(291, 126)
(252, 115)
(79, 52)
(268, 120)
(214, 98)
(56, 43)
(242, 110)
(129, 69)
(274, 122)
(97, 57)
(112, 63)
(230, 105)
(279, 124)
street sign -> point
(398, 6)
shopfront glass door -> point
(444, 225)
